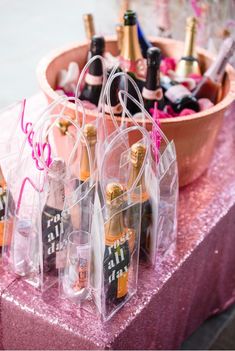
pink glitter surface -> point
(188, 285)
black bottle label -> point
(52, 228)
(2, 203)
(116, 266)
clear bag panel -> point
(22, 223)
(115, 253)
(74, 257)
(169, 193)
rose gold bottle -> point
(211, 83)
(53, 227)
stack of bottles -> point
(178, 88)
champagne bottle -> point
(152, 91)
(138, 152)
(116, 106)
(94, 78)
(53, 227)
(178, 96)
(211, 83)
(131, 59)
(89, 25)
(117, 252)
(188, 64)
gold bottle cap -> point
(138, 152)
(90, 133)
(113, 191)
(89, 25)
(191, 23)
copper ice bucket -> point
(194, 135)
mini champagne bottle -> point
(90, 134)
(138, 152)
(152, 90)
(94, 77)
(210, 85)
(117, 252)
(53, 227)
(189, 64)
(81, 215)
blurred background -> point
(31, 29)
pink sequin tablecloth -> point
(186, 287)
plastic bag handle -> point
(84, 70)
(64, 100)
(128, 79)
(145, 133)
(143, 110)
(79, 136)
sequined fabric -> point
(190, 283)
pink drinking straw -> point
(27, 130)
(156, 137)
(196, 8)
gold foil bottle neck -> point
(131, 50)
(90, 133)
(188, 64)
(190, 36)
(89, 25)
(138, 152)
(114, 191)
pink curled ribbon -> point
(40, 150)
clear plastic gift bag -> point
(75, 244)
(116, 227)
(38, 184)
(166, 166)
